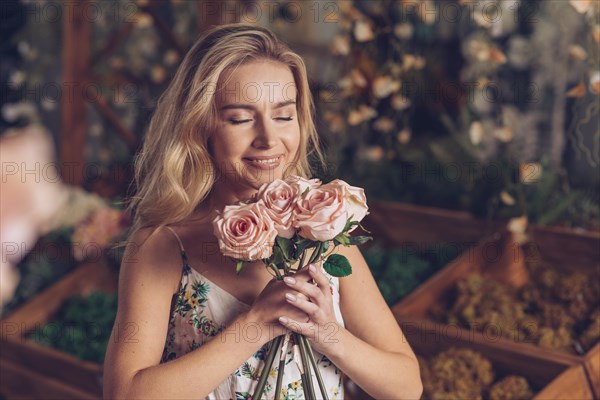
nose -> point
(266, 135)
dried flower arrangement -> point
(466, 374)
(554, 309)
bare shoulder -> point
(152, 257)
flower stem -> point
(311, 356)
(301, 260)
(279, 377)
(260, 387)
(305, 386)
(316, 253)
(309, 391)
(286, 269)
(282, 356)
(276, 270)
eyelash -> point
(241, 121)
(236, 122)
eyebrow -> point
(250, 107)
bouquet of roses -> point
(284, 222)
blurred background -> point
(459, 118)
(463, 105)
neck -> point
(224, 194)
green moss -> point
(399, 270)
(48, 261)
(82, 327)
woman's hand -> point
(269, 305)
(316, 301)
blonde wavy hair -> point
(174, 171)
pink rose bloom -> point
(321, 213)
(356, 200)
(301, 184)
(279, 198)
(245, 232)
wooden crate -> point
(501, 258)
(21, 383)
(59, 370)
(549, 377)
(592, 368)
(399, 223)
(571, 384)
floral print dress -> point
(201, 309)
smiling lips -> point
(264, 162)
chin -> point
(266, 178)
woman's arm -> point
(150, 274)
(375, 352)
(371, 349)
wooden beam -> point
(109, 47)
(164, 29)
(112, 117)
(75, 64)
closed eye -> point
(284, 118)
(239, 121)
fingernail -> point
(290, 297)
(283, 320)
(289, 280)
(312, 268)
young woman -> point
(237, 114)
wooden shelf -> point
(51, 365)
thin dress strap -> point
(184, 256)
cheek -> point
(293, 142)
(228, 145)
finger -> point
(303, 274)
(308, 289)
(309, 308)
(322, 281)
(301, 296)
(303, 328)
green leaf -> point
(325, 247)
(303, 244)
(358, 240)
(239, 266)
(337, 265)
(349, 224)
(286, 246)
(342, 239)
(555, 212)
(277, 257)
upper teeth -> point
(269, 161)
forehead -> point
(256, 82)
